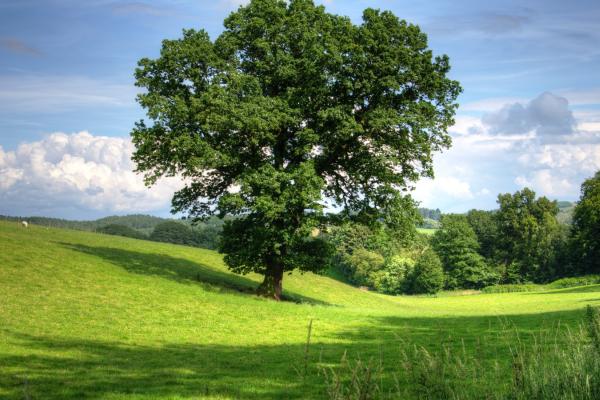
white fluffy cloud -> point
(444, 188)
(557, 170)
(71, 174)
(541, 144)
(547, 183)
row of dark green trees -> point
(205, 234)
(522, 241)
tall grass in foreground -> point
(565, 365)
(568, 371)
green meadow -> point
(427, 231)
(85, 315)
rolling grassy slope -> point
(85, 315)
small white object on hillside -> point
(25, 224)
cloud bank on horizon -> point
(529, 115)
(77, 175)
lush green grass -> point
(578, 282)
(85, 315)
(427, 231)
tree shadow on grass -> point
(46, 367)
(180, 270)
(60, 368)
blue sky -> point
(529, 115)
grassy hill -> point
(85, 315)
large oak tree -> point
(289, 108)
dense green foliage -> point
(97, 316)
(142, 223)
(457, 246)
(485, 227)
(121, 230)
(574, 281)
(173, 232)
(586, 226)
(376, 258)
(290, 106)
(364, 264)
(394, 277)
(523, 241)
(528, 234)
(428, 275)
(435, 215)
(208, 233)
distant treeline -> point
(203, 234)
(429, 213)
(431, 218)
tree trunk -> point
(272, 284)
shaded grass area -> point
(84, 315)
(180, 270)
(69, 368)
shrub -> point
(428, 274)
(469, 271)
(575, 281)
(557, 284)
(392, 279)
(352, 238)
(364, 265)
(511, 273)
(513, 288)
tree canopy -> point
(457, 246)
(527, 233)
(289, 111)
(173, 232)
(586, 226)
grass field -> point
(427, 231)
(84, 315)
